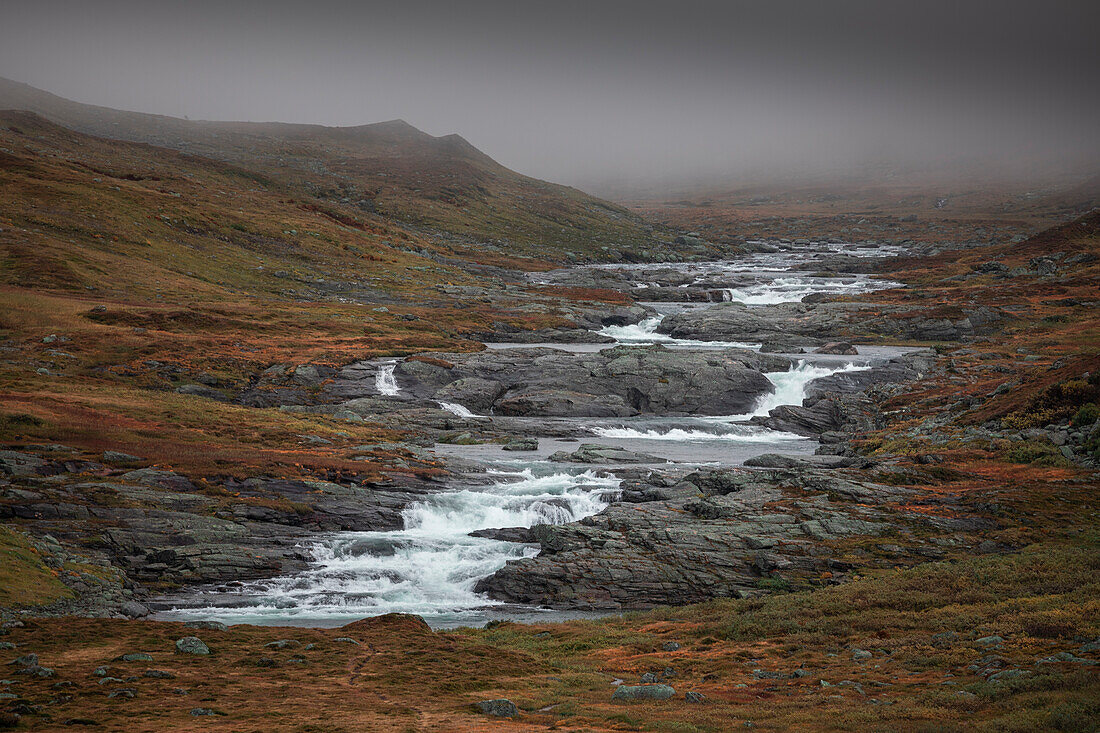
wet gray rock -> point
(837, 347)
(521, 535)
(595, 454)
(521, 444)
(477, 394)
(795, 323)
(719, 537)
(617, 382)
(209, 625)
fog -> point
(609, 96)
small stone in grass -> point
(501, 708)
(192, 645)
(643, 692)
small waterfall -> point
(644, 332)
(456, 409)
(790, 386)
(385, 381)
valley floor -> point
(932, 567)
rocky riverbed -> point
(602, 469)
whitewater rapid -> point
(644, 333)
(429, 567)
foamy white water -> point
(794, 289)
(644, 333)
(457, 409)
(430, 567)
(745, 434)
(385, 381)
(790, 388)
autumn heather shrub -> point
(1057, 402)
(1087, 415)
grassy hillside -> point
(127, 270)
(442, 184)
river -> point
(431, 565)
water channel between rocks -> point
(430, 566)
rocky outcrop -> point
(792, 324)
(838, 403)
(618, 382)
(603, 455)
(785, 323)
(728, 531)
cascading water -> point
(794, 289)
(790, 389)
(734, 434)
(385, 381)
(429, 568)
(790, 386)
(644, 333)
(456, 409)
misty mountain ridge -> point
(390, 169)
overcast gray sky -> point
(599, 94)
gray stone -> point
(695, 697)
(521, 444)
(596, 454)
(501, 708)
(192, 645)
(209, 625)
(133, 609)
(119, 458)
(837, 347)
(632, 693)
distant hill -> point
(443, 184)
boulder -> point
(521, 444)
(192, 645)
(632, 693)
(593, 453)
(837, 347)
(501, 708)
(133, 609)
(119, 458)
